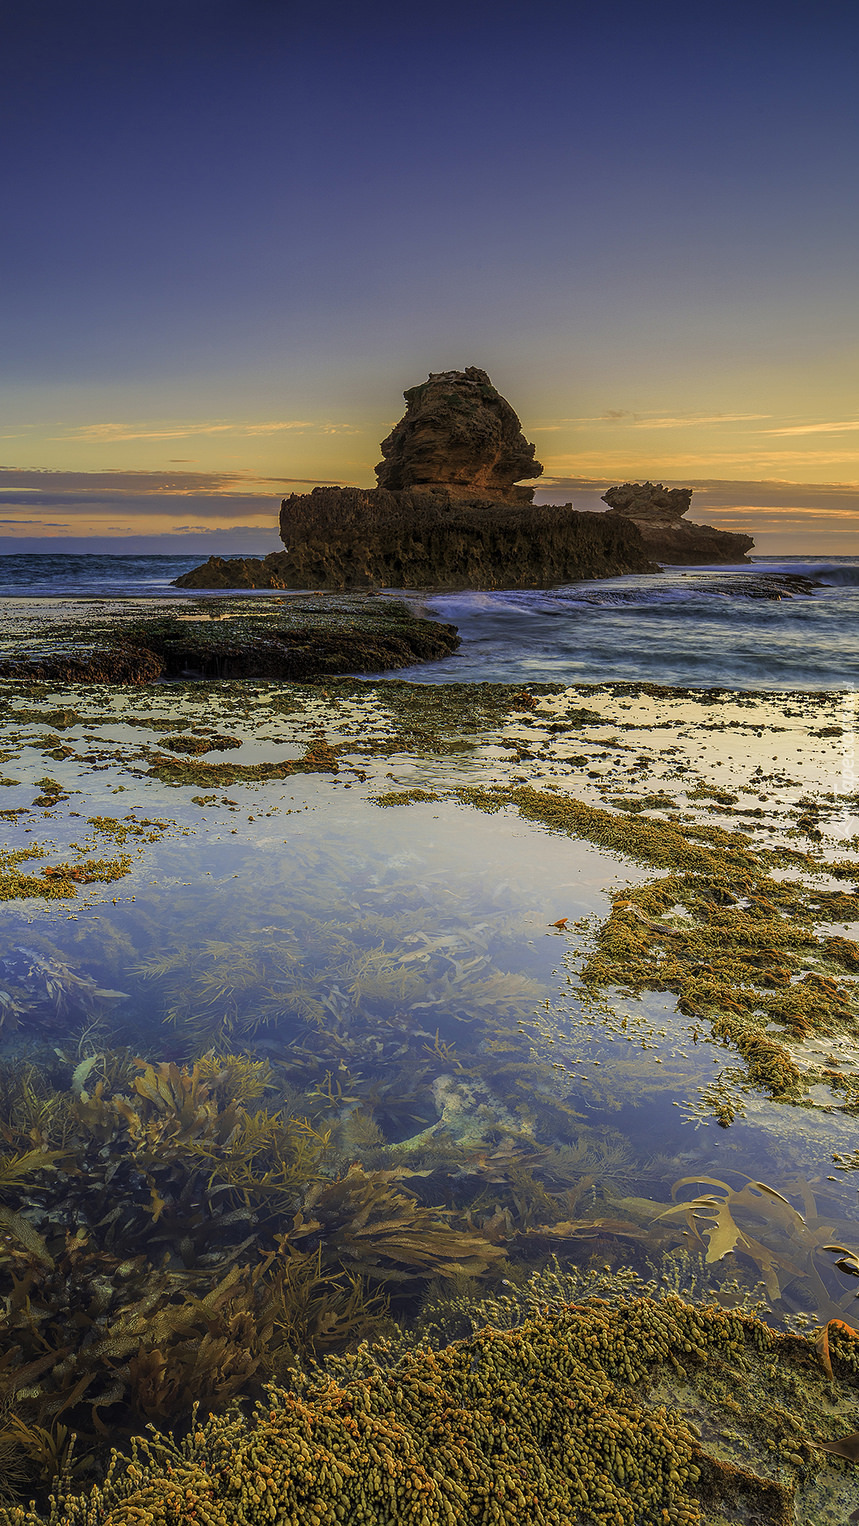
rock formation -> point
(448, 512)
(428, 538)
(293, 639)
(460, 434)
(658, 512)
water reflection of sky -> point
(403, 928)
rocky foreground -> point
(294, 639)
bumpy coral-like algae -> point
(560, 1419)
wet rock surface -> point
(658, 512)
(224, 639)
(769, 585)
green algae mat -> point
(451, 1091)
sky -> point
(236, 230)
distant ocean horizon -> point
(696, 627)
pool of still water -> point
(404, 964)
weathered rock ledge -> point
(657, 512)
(304, 639)
(349, 538)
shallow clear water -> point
(341, 936)
(409, 972)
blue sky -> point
(235, 232)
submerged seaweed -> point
(168, 1241)
(354, 1111)
(565, 1417)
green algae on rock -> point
(291, 639)
(57, 881)
(738, 955)
(318, 757)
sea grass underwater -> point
(309, 1081)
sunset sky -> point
(234, 232)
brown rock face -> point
(658, 512)
(447, 513)
(459, 433)
(435, 538)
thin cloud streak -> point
(642, 421)
(29, 479)
(164, 506)
(847, 427)
(110, 434)
(652, 421)
(757, 462)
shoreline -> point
(508, 851)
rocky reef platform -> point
(349, 1171)
(141, 642)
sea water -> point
(685, 626)
(408, 966)
(699, 627)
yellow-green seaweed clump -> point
(740, 952)
(318, 757)
(559, 1420)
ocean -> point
(698, 627)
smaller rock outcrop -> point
(236, 572)
(459, 433)
(658, 512)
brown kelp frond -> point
(372, 1226)
(17, 1171)
(33, 1114)
(238, 1077)
(343, 975)
(266, 1161)
(49, 1450)
(16, 1227)
(315, 1311)
(758, 1222)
